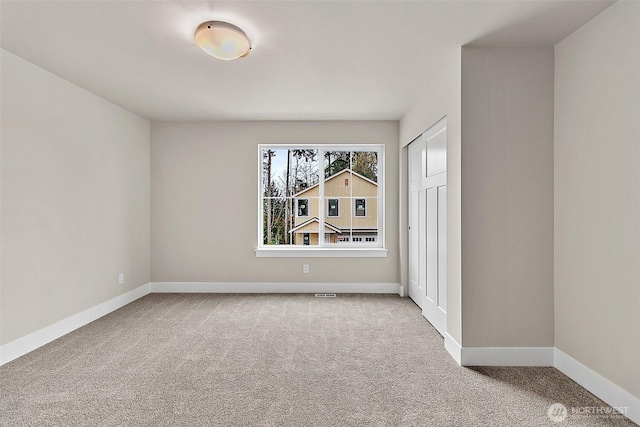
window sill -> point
(321, 253)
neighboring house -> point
(350, 206)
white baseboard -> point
(606, 390)
(28, 343)
(603, 388)
(268, 287)
(454, 349)
(595, 383)
(506, 356)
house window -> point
(303, 207)
(332, 207)
(317, 197)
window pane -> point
(303, 169)
(277, 220)
(337, 219)
(288, 171)
(305, 224)
(365, 222)
(336, 161)
(365, 163)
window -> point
(332, 207)
(303, 207)
(318, 198)
(361, 207)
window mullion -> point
(352, 210)
(380, 199)
(321, 200)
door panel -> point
(431, 209)
(428, 224)
(415, 292)
(442, 248)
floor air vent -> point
(325, 295)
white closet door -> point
(417, 163)
(428, 224)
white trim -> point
(28, 343)
(322, 148)
(603, 388)
(506, 356)
(452, 346)
(268, 287)
(595, 383)
(320, 252)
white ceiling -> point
(312, 60)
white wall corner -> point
(28, 343)
(401, 290)
(454, 349)
(507, 356)
(272, 287)
(610, 393)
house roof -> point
(335, 176)
(315, 219)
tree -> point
(336, 161)
(267, 157)
(366, 164)
(304, 160)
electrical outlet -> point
(121, 278)
(305, 268)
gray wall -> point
(507, 197)
(499, 108)
(440, 97)
(597, 195)
(75, 199)
(204, 184)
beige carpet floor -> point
(274, 360)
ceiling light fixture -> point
(222, 40)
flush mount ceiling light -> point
(222, 40)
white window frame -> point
(345, 249)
